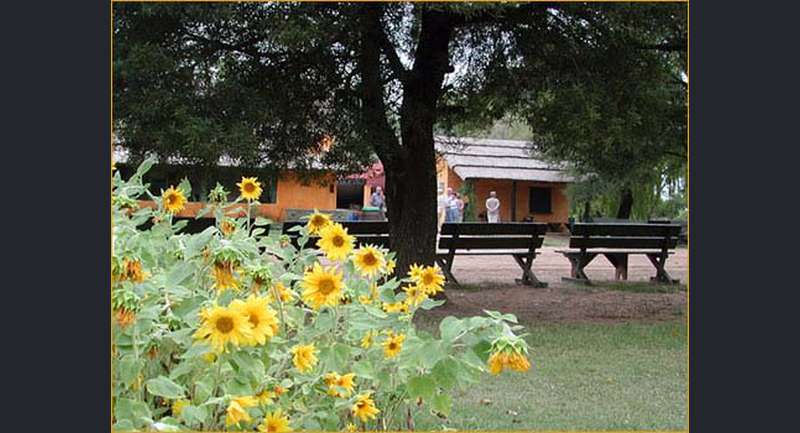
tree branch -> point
(678, 46)
(394, 60)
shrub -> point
(233, 329)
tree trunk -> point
(410, 165)
(625, 204)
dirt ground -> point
(488, 282)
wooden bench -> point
(519, 240)
(616, 241)
(366, 232)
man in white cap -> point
(493, 208)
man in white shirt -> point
(441, 206)
(493, 208)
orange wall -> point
(291, 194)
(559, 204)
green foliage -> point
(167, 377)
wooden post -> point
(513, 200)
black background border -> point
(56, 102)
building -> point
(286, 194)
(527, 187)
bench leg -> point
(578, 262)
(659, 260)
(528, 277)
(620, 262)
(446, 263)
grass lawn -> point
(584, 377)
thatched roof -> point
(481, 158)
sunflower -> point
(209, 357)
(351, 428)
(414, 271)
(390, 265)
(304, 357)
(283, 294)
(430, 280)
(132, 271)
(366, 342)
(317, 221)
(396, 307)
(221, 325)
(227, 228)
(364, 407)
(275, 422)
(392, 345)
(265, 397)
(223, 275)
(262, 318)
(279, 390)
(496, 362)
(369, 260)
(335, 242)
(173, 200)
(510, 358)
(178, 405)
(340, 385)
(322, 286)
(235, 414)
(415, 295)
(125, 317)
(249, 188)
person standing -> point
(452, 206)
(460, 207)
(378, 200)
(441, 208)
(493, 208)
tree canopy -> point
(601, 85)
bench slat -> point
(494, 242)
(494, 228)
(625, 229)
(622, 242)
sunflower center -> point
(249, 187)
(369, 259)
(392, 346)
(361, 404)
(172, 199)
(254, 320)
(326, 286)
(271, 427)
(317, 221)
(338, 241)
(427, 279)
(225, 325)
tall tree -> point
(266, 82)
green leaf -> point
(194, 415)
(179, 274)
(261, 221)
(422, 386)
(449, 329)
(429, 304)
(445, 373)
(163, 387)
(136, 412)
(442, 403)
(197, 242)
(129, 367)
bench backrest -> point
(488, 236)
(366, 232)
(196, 225)
(624, 235)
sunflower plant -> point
(232, 329)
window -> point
(540, 200)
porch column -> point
(513, 200)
